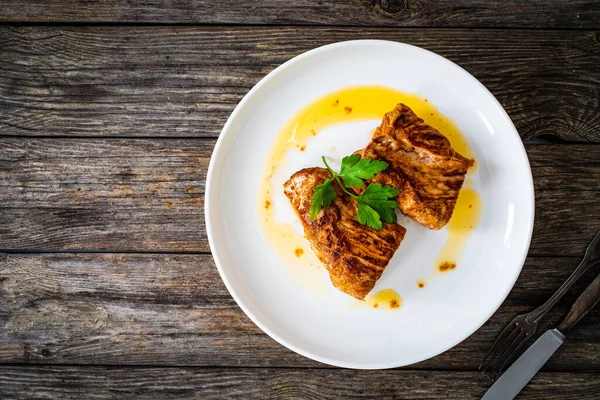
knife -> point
(518, 375)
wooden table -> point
(109, 111)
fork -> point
(520, 329)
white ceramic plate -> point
(430, 321)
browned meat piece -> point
(354, 254)
(423, 166)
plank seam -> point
(58, 24)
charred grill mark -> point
(354, 255)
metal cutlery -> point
(526, 367)
(522, 327)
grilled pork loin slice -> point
(355, 255)
(423, 166)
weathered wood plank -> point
(151, 309)
(424, 13)
(73, 382)
(560, 167)
(185, 81)
(103, 194)
(147, 195)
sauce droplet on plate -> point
(465, 218)
(446, 266)
(388, 298)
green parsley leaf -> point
(375, 204)
(323, 196)
(375, 191)
(354, 169)
(367, 216)
(386, 209)
(377, 198)
(348, 162)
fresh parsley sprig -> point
(375, 203)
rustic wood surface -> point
(148, 195)
(109, 111)
(172, 309)
(420, 13)
(260, 383)
(185, 81)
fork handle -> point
(584, 303)
(581, 269)
(590, 258)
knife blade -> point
(508, 386)
(524, 369)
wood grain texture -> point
(18, 382)
(185, 81)
(423, 13)
(565, 167)
(153, 309)
(103, 194)
(148, 195)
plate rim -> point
(210, 176)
